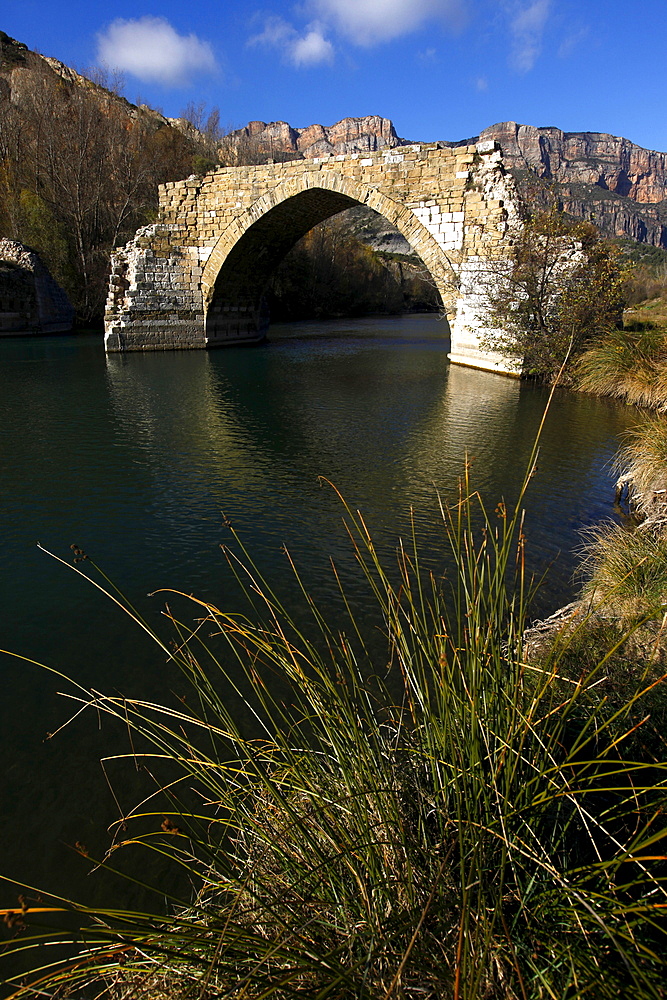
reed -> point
(447, 822)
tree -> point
(79, 172)
(331, 273)
(560, 287)
(207, 133)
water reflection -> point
(135, 457)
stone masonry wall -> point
(155, 300)
(220, 235)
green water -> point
(136, 458)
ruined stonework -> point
(30, 300)
(197, 277)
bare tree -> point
(79, 170)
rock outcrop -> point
(592, 158)
(350, 135)
(30, 300)
(606, 179)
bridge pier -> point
(196, 279)
(155, 301)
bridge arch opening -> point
(238, 272)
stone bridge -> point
(197, 277)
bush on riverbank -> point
(559, 287)
(450, 821)
(628, 572)
(620, 620)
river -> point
(138, 458)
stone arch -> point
(238, 269)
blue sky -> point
(440, 69)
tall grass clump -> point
(441, 821)
(627, 364)
(642, 464)
(628, 572)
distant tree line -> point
(331, 273)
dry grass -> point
(642, 463)
(627, 572)
(651, 311)
(627, 364)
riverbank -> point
(623, 602)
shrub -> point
(628, 571)
(642, 460)
(559, 287)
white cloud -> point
(481, 84)
(311, 49)
(371, 22)
(150, 49)
(308, 49)
(277, 33)
(527, 24)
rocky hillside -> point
(21, 70)
(595, 158)
(616, 184)
(278, 140)
(80, 167)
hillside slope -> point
(608, 180)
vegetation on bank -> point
(624, 356)
(79, 169)
(442, 819)
(629, 364)
(560, 287)
(629, 361)
(331, 272)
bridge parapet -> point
(197, 277)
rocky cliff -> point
(350, 135)
(591, 158)
(608, 180)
